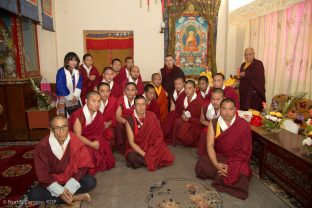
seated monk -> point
(151, 104)
(107, 77)
(176, 108)
(187, 126)
(204, 88)
(88, 124)
(146, 141)
(135, 78)
(229, 148)
(161, 97)
(229, 92)
(108, 109)
(209, 111)
(125, 107)
(62, 164)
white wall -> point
(47, 51)
(74, 16)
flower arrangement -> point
(307, 142)
(44, 100)
(273, 120)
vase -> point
(274, 130)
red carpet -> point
(17, 173)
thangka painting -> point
(191, 44)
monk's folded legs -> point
(40, 194)
(135, 160)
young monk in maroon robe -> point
(209, 111)
(108, 109)
(187, 126)
(161, 97)
(204, 88)
(146, 141)
(88, 124)
(176, 108)
(151, 103)
(134, 77)
(229, 148)
(116, 65)
(89, 74)
(229, 92)
(62, 164)
(169, 73)
(124, 72)
(108, 75)
(125, 107)
(252, 82)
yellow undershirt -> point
(218, 130)
(158, 90)
(247, 64)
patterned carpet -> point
(17, 173)
(174, 193)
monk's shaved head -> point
(218, 91)
(57, 117)
(249, 54)
(91, 93)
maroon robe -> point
(188, 132)
(140, 86)
(252, 86)
(151, 140)
(207, 97)
(169, 124)
(116, 90)
(229, 92)
(103, 157)
(121, 76)
(153, 107)
(233, 147)
(168, 77)
(87, 84)
(121, 134)
(109, 114)
(75, 162)
(202, 144)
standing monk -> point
(88, 124)
(187, 126)
(124, 71)
(161, 97)
(125, 107)
(252, 82)
(89, 74)
(229, 147)
(169, 73)
(108, 109)
(62, 164)
(146, 141)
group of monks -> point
(120, 113)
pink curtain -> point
(283, 41)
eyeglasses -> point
(59, 128)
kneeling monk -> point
(146, 140)
(88, 124)
(187, 127)
(229, 148)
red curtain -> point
(109, 43)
